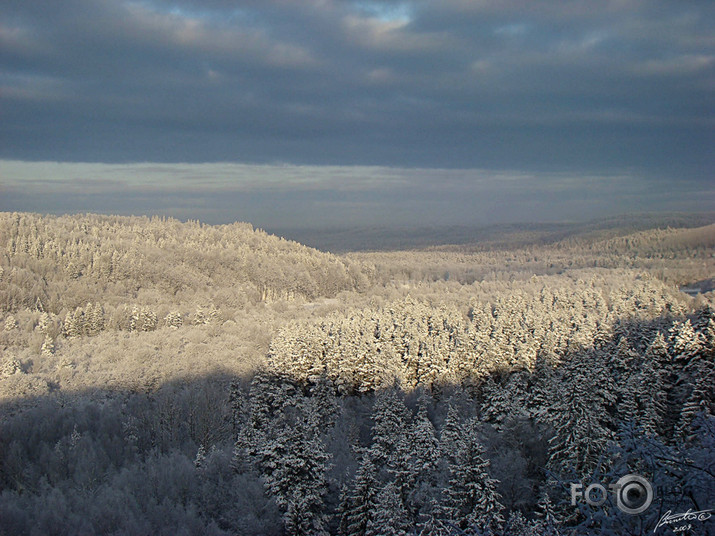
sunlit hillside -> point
(221, 380)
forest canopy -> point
(159, 376)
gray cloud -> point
(541, 87)
(331, 81)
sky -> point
(320, 113)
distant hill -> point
(58, 262)
(383, 238)
(675, 255)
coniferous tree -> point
(704, 316)
(134, 319)
(294, 464)
(543, 390)
(503, 403)
(471, 501)
(693, 376)
(700, 400)
(361, 501)
(647, 390)
(95, 319)
(547, 521)
(424, 455)
(48, 347)
(341, 513)
(391, 418)
(497, 405)
(269, 395)
(44, 322)
(72, 325)
(323, 404)
(390, 517)
(147, 320)
(516, 525)
(402, 472)
(200, 458)
(238, 405)
(708, 332)
(579, 417)
(450, 433)
(686, 343)
(10, 367)
(174, 320)
(657, 352)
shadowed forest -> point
(167, 377)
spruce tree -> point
(579, 415)
(686, 343)
(294, 465)
(48, 347)
(424, 457)
(648, 391)
(470, 500)
(700, 400)
(361, 501)
(391, 418)
(449, 434)
(71, 327)
(390, 517)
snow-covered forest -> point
(166, 377)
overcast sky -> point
(322, 112)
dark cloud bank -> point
(357, 112)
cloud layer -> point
(453, 83)
(357, 111)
